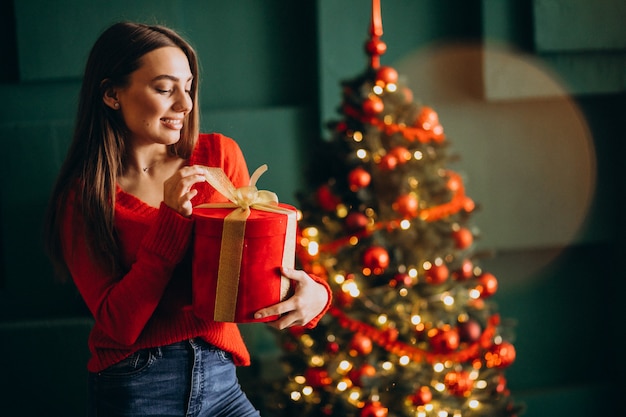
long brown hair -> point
(97, 152)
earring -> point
(116, 105)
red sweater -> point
(150, 305)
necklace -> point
(170, 153)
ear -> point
(109, 95)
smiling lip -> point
(173, 123)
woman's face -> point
(157, 99)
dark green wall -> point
(270, 74)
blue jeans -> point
(190, 379)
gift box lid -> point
(260, 223)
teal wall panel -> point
(54, 37)
(579, 25)
(43, 368)
(253, 53)
(582, 43)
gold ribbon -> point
(233, 233)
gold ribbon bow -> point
(233, 233)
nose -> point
(183, 103)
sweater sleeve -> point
(122, 305)
(317, 318)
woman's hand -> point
(308, 300)
(177, 192)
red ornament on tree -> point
(437, 274)
(422, 396)
(469, 205)
(466, 271)
(469, 331)
(463, 238)
(358, 178)
(408, 95)
(373, 106)
(459, 383)
(376, 258)
(356, 221)
(427, 118)
(501, 385)
(326, 199)
(406, 205)
(402, 154)
(445, 340)
(388, 162)
(388, 75)
(332, 347)
(374, 409)
(375, 47)
(361, 344)
(402, 280)
(356, 375)
(317, 377)
(487, 285)
(500, 356)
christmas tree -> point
(411, 331)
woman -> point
(120, 225)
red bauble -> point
(500, 356)
(401, 153)
(356, 221)
(408, 94)
(374, 409)
(361, 344)
(469, 205)
(402, 280)
(437, 274)
(445, 340)
(343, 299)
(375, 47)
(422, 396)
(296, 331)
(454, 183)
(358, 178)
(427, 118)
(459, 383)
(326, 199)
(332, 347)
(388, 75)
(317, 377)
(487, 285)
(470, 331)
(357, 374)
(388, 162)
(466, 271)
(501, 385)
(463, 238)
(406, 205)
(376, 258)
(373, 105)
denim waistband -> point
(195, 342)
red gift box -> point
(237, 257)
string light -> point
(313, 248)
